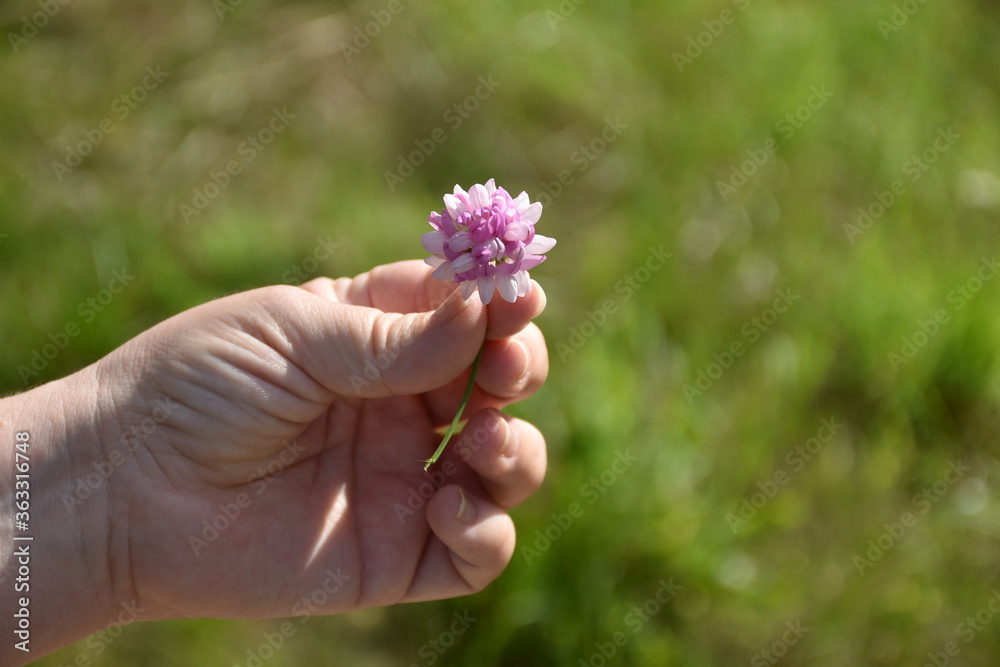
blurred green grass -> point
(623, 389)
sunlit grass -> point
(621, 384)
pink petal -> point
(454, 205)
(521, 202)
(501, 196)
(531, 261)
(460, 241)
(540, 244)
(516, 231)
(443, 271)
(507, 287)
(463, 263)
(462, 196)
(532, 213)
(468, 288)
(491, 186)
(506, 268)
(478, 197)
(433, 242)
(485, 289)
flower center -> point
(485, 227)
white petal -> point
(433, 242)
(468, 288)
(454, 205)
(507, 287)
(532, 213)
(460, 191)
(478, 197)
(443, 271)
(521, 202)
(485, 289)
(540, 245)
(491, 186)
(523, 283)
(463, 262)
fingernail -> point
(511, 442)
(526, 369)
(448, 310)
(466, 512)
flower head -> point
(486, 239)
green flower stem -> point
(461, 408)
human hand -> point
(259, 456)
(295, 420)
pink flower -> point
(485, 239)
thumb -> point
(365, 352)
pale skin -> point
(307, 409)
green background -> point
(624, 375)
